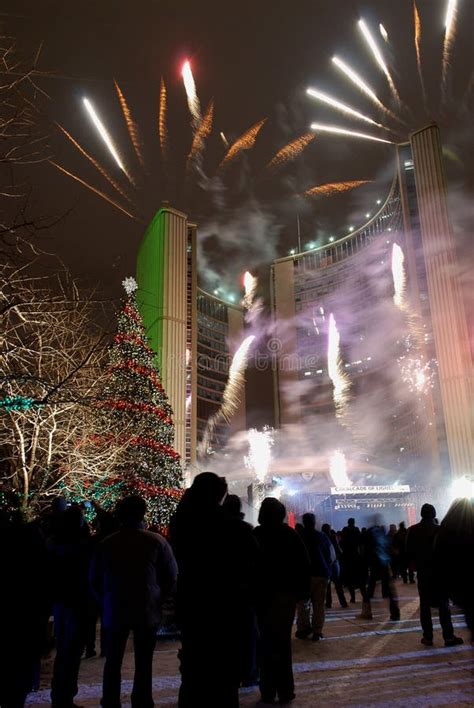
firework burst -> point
(372, 44)
(93, 189)
(96, 164)
(334, 188)
(417, 26)
(131, 125)
(191, 94)
(291, 150)
(245, 142)
(162, 130)
(200, 136)
(418, 373)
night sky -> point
(256, 59)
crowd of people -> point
(236, 590)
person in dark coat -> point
(399, 542)
(454, 557)
(23, 597)
(377, 554)
(336, 559)
(420, 552)
(283, 580)
(351, 558)
(69, 552)
(132, 572)
(105, 523)
(217, 558)
(232, 508)
(318, 548)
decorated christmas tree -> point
(140, 421)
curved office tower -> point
(405, 362)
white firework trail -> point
(324, 128)
(363, 86)
(342, 107)
(338, 469)
(450, 29)
(372, 44)
(191, 94)
(383, 32)
(339, 378)
(104, 134)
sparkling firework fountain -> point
(340, 380)
(338, 469)
(259, 459)
(399, 277)
(231, 395)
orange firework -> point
(417, 23)
(162, 120)
(292, 150)
(96, 164)
(335, 187)
(202, 132)
(245, 142)
(93, 189)
(131, 125)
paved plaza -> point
(375, 663)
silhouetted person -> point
(420, 551)
(232, 508)
(217, 561)
(318, 548)
(454, 557)
(283, 581)
(69, 553)
(399, 542)
(132, 573)
(105, 523)
(351, 559)
(377, 553)
(336, 557)
(22, 600)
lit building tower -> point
(436, 290)
(193, 333)
(163, 284)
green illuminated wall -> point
(150, 279)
